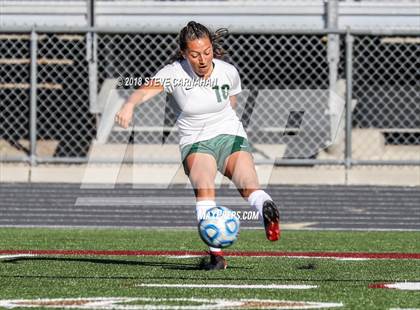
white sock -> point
(211, 249)
(201, 208)
(257, 199)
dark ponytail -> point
(217, 41)
(193, 31)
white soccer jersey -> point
(205, 109)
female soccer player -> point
(212, 137)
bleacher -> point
(84, 119)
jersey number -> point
(221, 92)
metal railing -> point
(370, 116)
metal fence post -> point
(92, 57)
(333, 43)
(349, 89)
(33, 98)
(333, 54)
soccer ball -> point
(219, 227)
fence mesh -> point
(63, 107)
(274, 69)
(14, 91)
(386, 119)
(286, 99)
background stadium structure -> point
(54, 70)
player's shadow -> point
(164, 265)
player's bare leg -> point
(202, 173)
(240, 168)
(202, 170)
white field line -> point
(11, 257)
(16, 256)
(352, 258)
(404, 286)
(183, 256)
(285, 256)
(233, 286)
(120, 303)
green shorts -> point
(220, 147)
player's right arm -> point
(144, 93)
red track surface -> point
(348, 255)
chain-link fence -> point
(386, 119)
(14, 92)
(288, 106)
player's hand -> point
(125, 115)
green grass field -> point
(335, 281)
